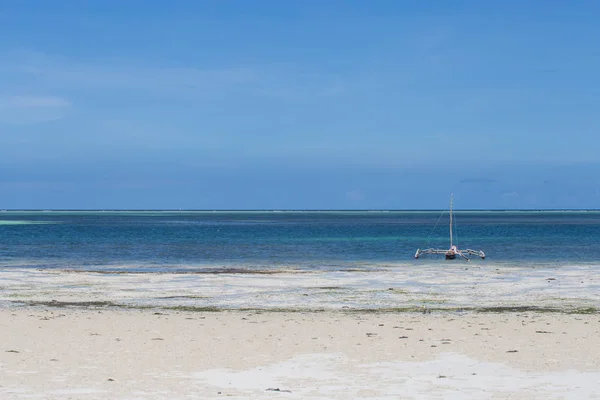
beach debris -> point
(53, 359)
(369, 334)
(11, 351)
(157, 338)
(512, 351)
(278, 390)
(402, 337)
(542, 332)
(111, 380)
(442, 376)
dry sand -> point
(67, 353)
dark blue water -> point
(207, 241)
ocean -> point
(300, 260)
(204, 241)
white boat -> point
(453, 251)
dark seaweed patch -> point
(210, 271)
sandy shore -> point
(61, 353)
(336, 335)
(399, 287)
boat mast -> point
(453, 251)
(451, 198)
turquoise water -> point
(204, 241)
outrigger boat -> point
(453, 251)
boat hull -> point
(450, 256)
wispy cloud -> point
(53, 72)
(28, 109)
(21, 102)
(272, 80)
(478, 180)
(131, 77)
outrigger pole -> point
(453, 251)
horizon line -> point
(287, 209)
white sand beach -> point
(461, 332)
(99, 353)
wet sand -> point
(450, 286)
(107, 353)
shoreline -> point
(433, 288)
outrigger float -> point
(453, 251)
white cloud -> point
(52, 72)
(34, 102)
(27, 109)
(141, 77)
(62, 72)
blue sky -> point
(306, 104)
